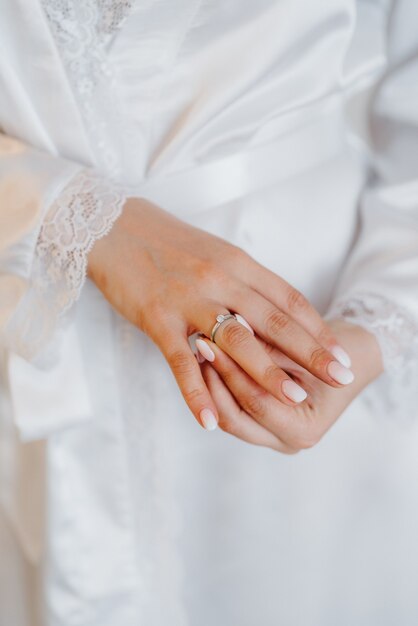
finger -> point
(276, 327)
(188, 375)
(256, 402)
(244, 322)
(244, 348)
(298, 307)
(234, 420)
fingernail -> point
(244, 322)
(204, 350)
(208, 419)
(293, 391)
(340, 373)
(341, 355)
(200, 358)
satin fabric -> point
(118, 508)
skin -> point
(172, 280)
(253, 415)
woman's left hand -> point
(249, 412)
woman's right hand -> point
(171, 280)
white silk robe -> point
(290, 128)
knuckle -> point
(254, 405)
(152, 322)
(237, 254)
(180, 362)
(228, 426)
(275, 322)
(208, 273)
(296, 301)
(228, 376)
(193, 396)
(272, 373)
(318, 359)
(153, 312)
(234, 334)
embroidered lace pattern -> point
(397, 334)
(83, 212)
(88, 206)
(82, 31)
(395, 330)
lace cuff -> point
(84, 212)
(397, 334)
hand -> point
(250, 413)
(172, 280)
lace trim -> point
(394, 328)
(82, 31)
(84, 212)
(396, 331)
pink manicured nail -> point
(293, 391)
(208, 419)
(341, 355)
(200, 358)
(244, 322)
(204, 350)
(340, 373)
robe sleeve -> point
(52, 210)
(378, 288)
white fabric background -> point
(124, 509)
